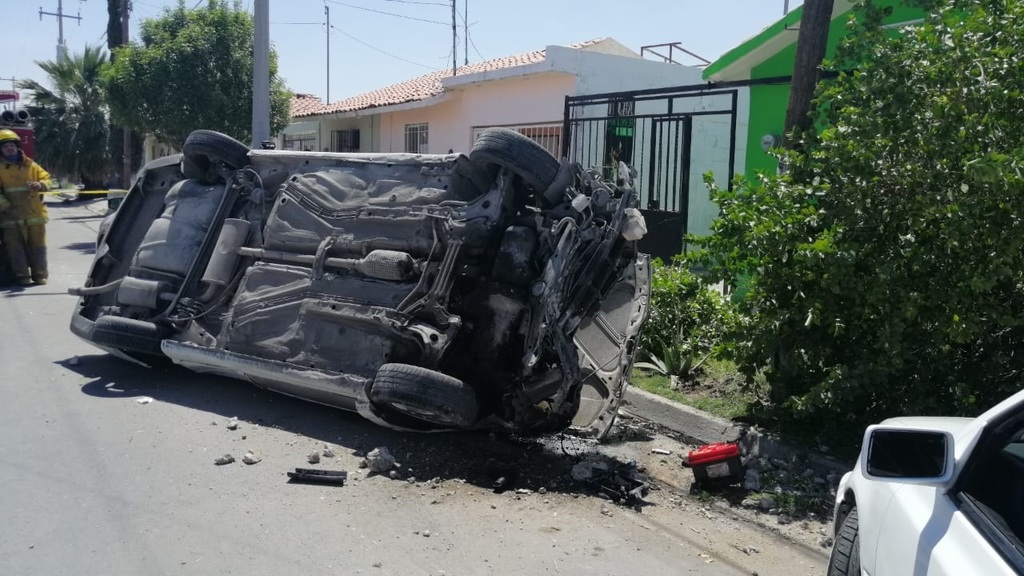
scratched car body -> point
(498, 288)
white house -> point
(439, 111)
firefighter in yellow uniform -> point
(22, 212)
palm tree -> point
(70, 121)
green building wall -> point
(768, 103)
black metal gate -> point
(655, 132)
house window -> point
(304, 141)
(345, 140)
(416, 138)
(549, 136)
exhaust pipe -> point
(8, 117)
(23, 115)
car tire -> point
(205, 149)
(845, 558)
(425, 395)
(130, 335)
(524, 157)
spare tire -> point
(206, 149)
(425, 395)
(130, 335)
(524, 157)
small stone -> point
(313, 457)
(775, 511)
(380, 460)
(524, 491)
(542, 490)
(251, 458)
(144, 400)
(426, 533)
(412, 480)
(784, 519)
(328, 452)
(826, 541)
(233, 424)
(225, 459)
(393, 474)
(751, 550)
(605, 510)
(363, 463)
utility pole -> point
(126, 142)
(261, 74)
(327, 14)
(465, 29)
(810, 51)
(62, 49)
(455, 33)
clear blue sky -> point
(374, 43)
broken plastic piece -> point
(315, 476)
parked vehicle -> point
(422, 291)
(935, 496)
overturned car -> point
(422, 291)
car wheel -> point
(845, 558)
(205, 149)
(425, 395)
(130, 335)
(524, 157)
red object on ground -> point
(718, 461)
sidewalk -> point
(697, 428)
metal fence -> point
(670, 137)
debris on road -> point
(225, 459)
(313, 457)
(380, 460)
(144, 400)
(718, 462)
(251, 457)
(623, 484)
(315, 476)
(503, 475)
(328, 451)
(661, 451)
(233, 423)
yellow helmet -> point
(10, 136)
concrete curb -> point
(698, 427)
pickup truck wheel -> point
(425, 395)
(205, 149)
(845, 558)
(524, 157)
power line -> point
(372, 47)
(421, 3)
(389, 13)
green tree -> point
(887, 268)
(70, 120)
(192, 70)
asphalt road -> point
(95, 479)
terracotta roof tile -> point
(305, 104)
(423, 87)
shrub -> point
(687, 321)
(887, 266)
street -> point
(108, 468)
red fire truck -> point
(18, 120)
